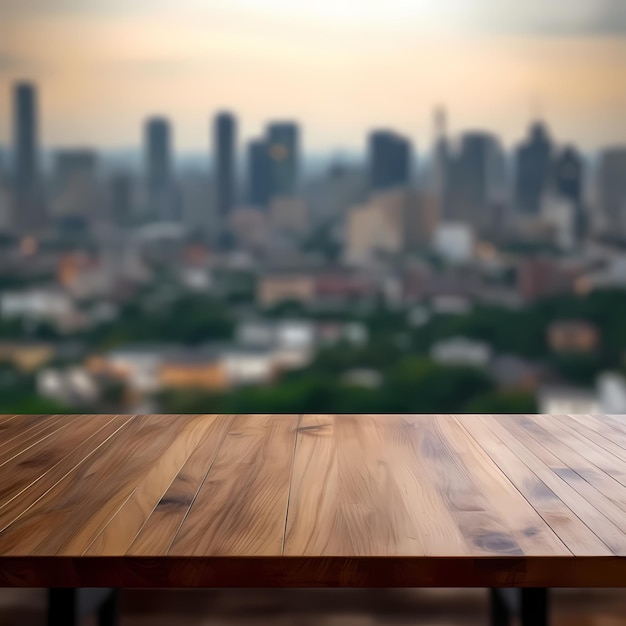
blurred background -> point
(346, 206)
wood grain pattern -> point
(360, 489)
(122, 528)
(158, 533)
(609, 533)
(571, 469)
(577, 536)
(27, 431)
(312, 500)
(241, 507)
(12, 506)
(34, 462)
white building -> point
(292, 341)
(139, 365)
(68, 385)
(461, 351)
(567, 400)
(560, 215)
(612, 393)
(454, 242)
(39, 303)
(246, 366)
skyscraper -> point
(75, 186)
(568, 174)
(533, 164)
(27, 192)
(283, 150)
(441, 163)
(258, 168)
(612, 188)
(472, 179)
(162, 196)
(224, 148)
(158, 154)
(567, 184)
(121, 198)
(389, 160)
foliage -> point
(513, 402)
(187, 320)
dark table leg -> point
(534, 607)
(531, 605)
(66, 607)
(62, 607)
(499, 613)
(108, 610)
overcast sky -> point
(340, 67)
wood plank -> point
(13, 508)
(502, 507)
(33, 463)
(4, 418)
(611, 534)
(594, 457)
(529, 432)
(157, 534)
(69, 516)
(571, 467)
(578, 537)
(27, 432)
(122, 528)
(606, 425)
(361, 486)
(593, 430)
(241, 507)
(15, 424)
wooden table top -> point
(312, 500)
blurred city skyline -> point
(338, 69)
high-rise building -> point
(612, 189)
(121, 198)
(75, 197)
(441, 163)
(158, 153)
(283, 150)
(27, 192)
(224, 149)
(258, 171)
(389, 160)
(568, 174)
(162, 193)
(567, 186)
(532, 171)
(472, 182)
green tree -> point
(502, 402)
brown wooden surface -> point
(312, 500)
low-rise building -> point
(39, 303)
(27, 356)
(573, 336)
(138, 366)
(286, 286)
(71, 386)
(512, 372)
(461, 351)
(567, 400)
(368, 378)
(193, 369)
(249, 365)
(612, 393)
